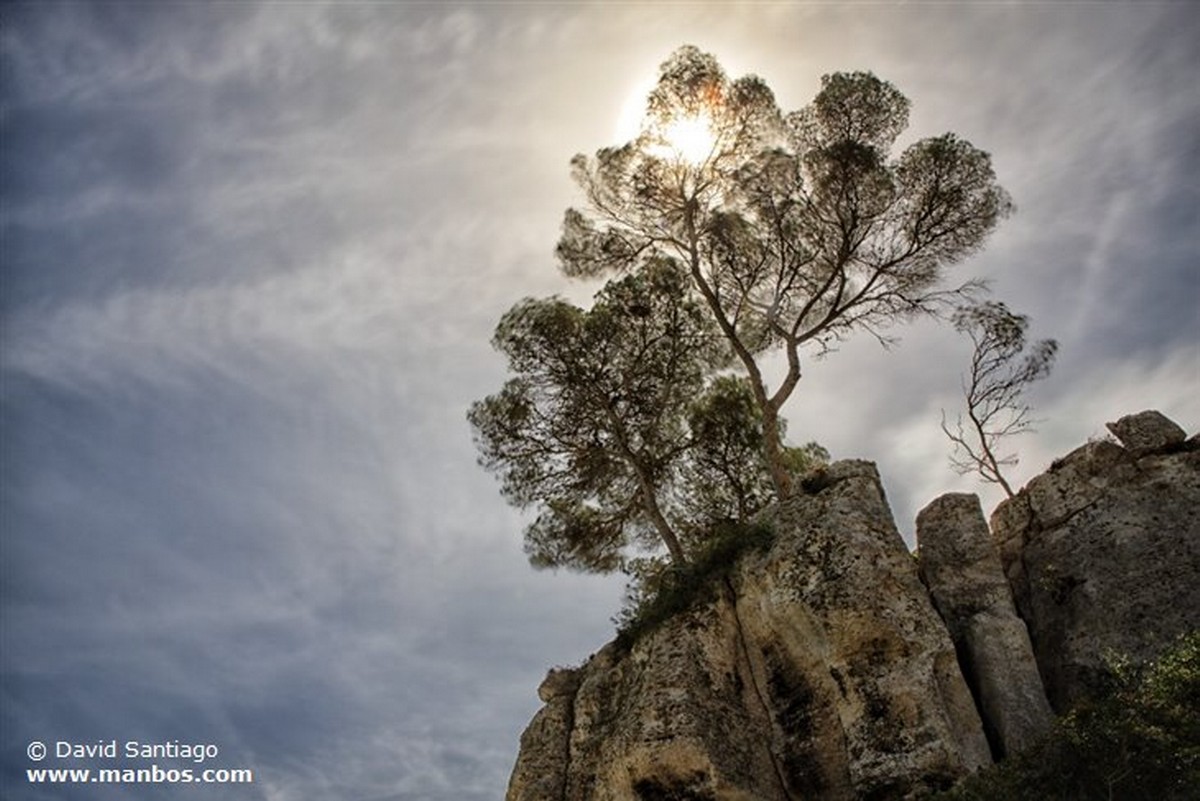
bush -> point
(660, 591)
(1139, 740)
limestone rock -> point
(1147, 432)
(818, 670)
(961, 568)
(1103, 554)
(558, 682)
(543, 759)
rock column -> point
(962, 570)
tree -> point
(594, 429)
(725, 478)
(795, 230)
(999, 374)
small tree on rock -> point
(1001, 369)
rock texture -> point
(545, 744)
(960, 566)
(1103, 552)
(1147, 432)
(819, 670)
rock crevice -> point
(764, 700)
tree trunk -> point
(647, 491)
(989, 462)
(664, 528)
(773, 452)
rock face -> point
(1103, 552)
(960, 566)
(819, 670)
(545, 745)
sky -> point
(252, 256)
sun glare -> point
(690, 138)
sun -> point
(690, 138)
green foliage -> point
(805, 458)
(1139, 740)
(725, 476)
(591, 428)
(610, 430)
(658, 590)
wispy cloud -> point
(254, 253)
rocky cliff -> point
(828, 667)
(820, 671)
(1103, 552)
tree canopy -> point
(607, 427)
(794, 229)
(728, 231)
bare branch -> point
(1000, 371)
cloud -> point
(253, 256)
